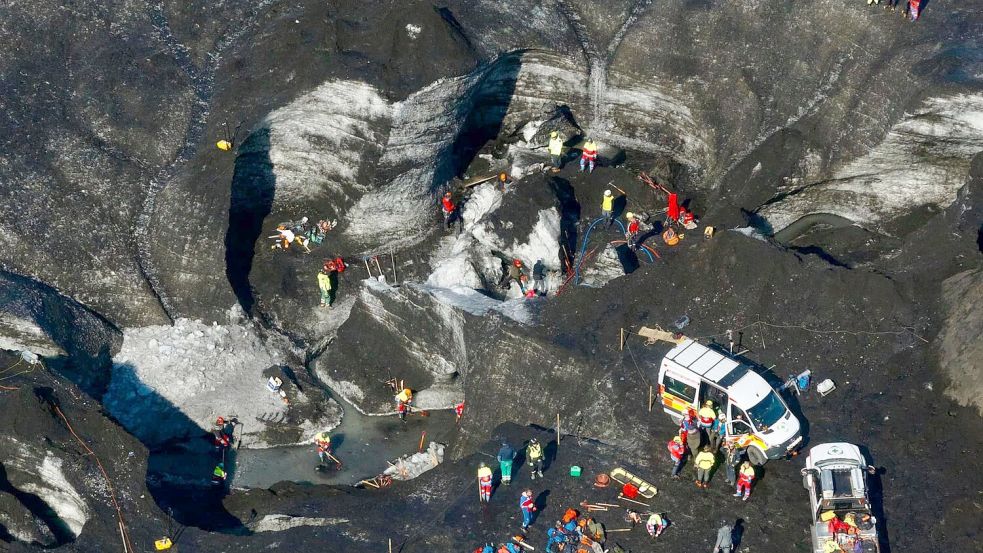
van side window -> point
(679, 388)
(739, 421)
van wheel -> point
(756, 456)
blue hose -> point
(583, 248)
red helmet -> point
(220, 420)
(517, 262)
(447, 194)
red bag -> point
(630, 490)
(339, 265)
(673, 206)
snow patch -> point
(413, 31)
(278, 522)
(59, 494)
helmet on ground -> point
(607, 192)
(554, 134)
(630, 215)
(517, 262)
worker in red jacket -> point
(632, 234)
(447, 207)
(528, 507)
(677, 452)
(588, 156)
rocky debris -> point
(185, 376)
(412, 466)
(279, 523)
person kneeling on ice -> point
(656, 524)
(323, 442)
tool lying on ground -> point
(640, 486)
(623, 498)
(590, 507)
(656, 334)
(520, 540)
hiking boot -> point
(746, 497)
(533, 476)
(738, 494)
(698, 484)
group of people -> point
(535, 458)
(327, 280)
(556, 147)
(574, 533)
(223, 431)
(676, 215)
(301, 233)
(845, 530)
(516, 272)
(708, 422)
(909, 8)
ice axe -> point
(519, 540)
(335, 459)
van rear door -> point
(679, 392)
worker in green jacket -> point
(219, 475)
(324, 285)
(704, 464)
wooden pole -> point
(390, 545)
(422, 437)
(623, 498)
(557, 429)
(621, 342)
(392, 257)
(761, 335)
(366, 260)
(650, 399)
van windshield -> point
(767, 412)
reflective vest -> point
(405, 395)
(676, 449)
(323, 446)
(633, 227)
(746, 475)
(590, 151)
(323, 281)
(219, 472)
(707, 415)
(535, 451)
(459, 409)
(607, 204)
(655, 520)
(556, 146)
(705, 460)
(447, 205)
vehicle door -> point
(716, 395)
(738, 427)
(679, 392)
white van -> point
(836, 477)
(757, 416)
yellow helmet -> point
(223, 145)
(630, 215)
(554, 134)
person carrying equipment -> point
(448, 208)
(677, 452)
(704, 465)
(403, 400)
(506, 455)
(484, 483)
(745, 477)
(555, 148)
(588, 156)
(325, 288)
(534, 456)
(323, 442)
(632, 234)
(656, 524)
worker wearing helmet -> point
(403, 400)
(677, 453)
(706, 415)
(588, 155)
(323, 443)
(484, 483)
(535, 457)
(514, 273)
(631, 235)
(448, 209)
(607, 206)
(718, 431)
(555, 148)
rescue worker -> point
(718, 431)
(539, 277)
(632, 234)
(689, 426)
(325, 288)
(222, 441)
(725, 540)
(323, 443)
(556, 537)
(588, 156)
(732, 457)
(535, 457)
(686, 218)
(607, 207)
(914, 9)
(506, 455)
(459, 411)
(745, 477)
(677, 452)
(219, 475)
(403, 401)
(514, 273)
(447, 207)
(593, 529)
(704, 466)
(283, 238)
(555, 148)
(655, 524)
(706, 415)
(484, 483)
(528, 507)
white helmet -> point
(607, 192)
(303, 219)
(630, 215)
